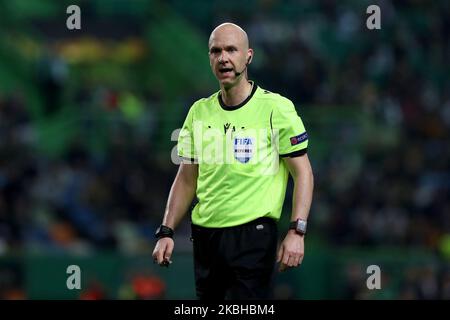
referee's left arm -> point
(292, 249)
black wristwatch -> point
(299, 226)
(163, 232)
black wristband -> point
(163, 232)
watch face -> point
(301, 226)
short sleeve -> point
(290, 131)
(186, 139)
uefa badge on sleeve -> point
(243, 149)
(299, 139)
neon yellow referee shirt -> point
(238, 150)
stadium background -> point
(86, 118)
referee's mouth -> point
(226, 71)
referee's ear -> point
(250, 56)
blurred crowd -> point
(81, 201)
(391, 188)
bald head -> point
(229, 54)
(229, 31)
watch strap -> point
(299, 226)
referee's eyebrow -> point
(215, 49)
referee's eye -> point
(231, 49)
(214, 50)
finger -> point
(168, 252)
(280, 254)
(291, 261)
(160, 254)
(284, 261)
(296, 261)
(155, 253)
(285, 258)
(155, 258)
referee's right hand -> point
(163, 251)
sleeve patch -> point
(299, 139)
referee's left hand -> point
(291, 251)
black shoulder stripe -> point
(294, 154)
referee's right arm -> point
(180, 198)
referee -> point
(238, 147)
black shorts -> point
(235, 262)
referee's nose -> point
(223, 58)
